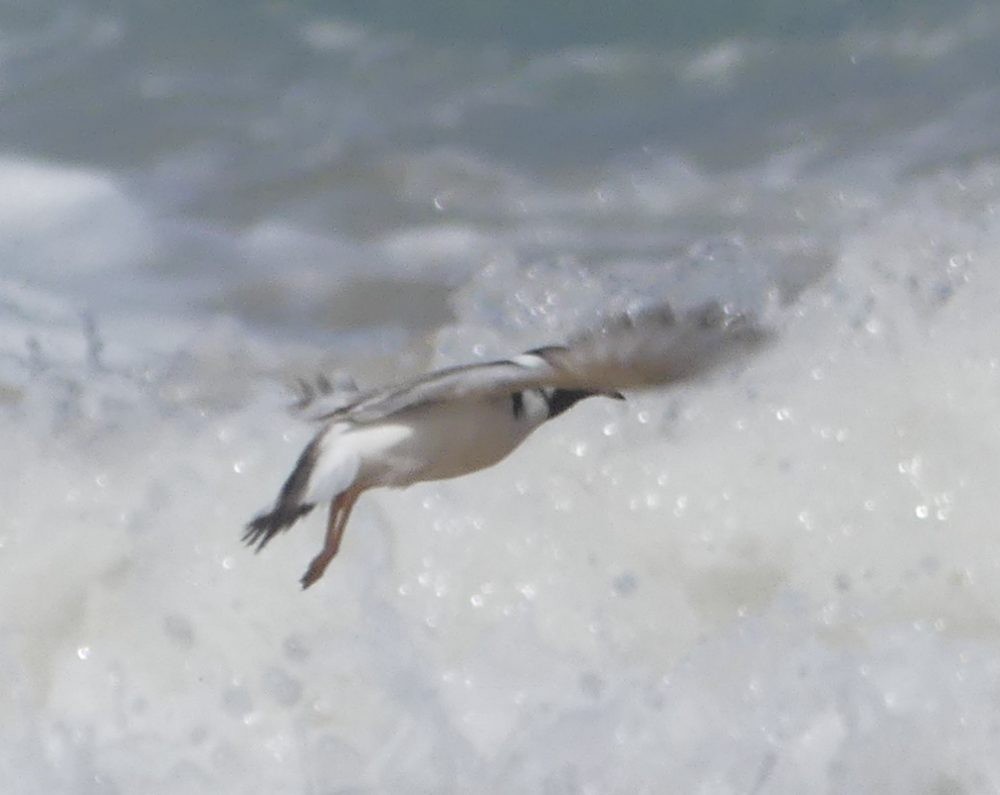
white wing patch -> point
(530, 360)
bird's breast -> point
(443, 440)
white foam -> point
(67, 222)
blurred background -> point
(780, 580)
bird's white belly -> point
(443, 440)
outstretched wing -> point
(649, 349)
(655, 348)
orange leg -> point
(340, 510)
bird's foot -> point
(315, 570)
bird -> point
(465, 418)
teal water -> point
(472, 130)
(550, 23)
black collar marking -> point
(559, 400)
(517, 404)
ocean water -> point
(781, 579)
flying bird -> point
(462, 419)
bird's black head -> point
(561, 399)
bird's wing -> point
(322, 397)
(449, 384)
(655, 347)
(652, 348)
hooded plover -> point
(463, 419)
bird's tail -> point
(264, 527)
(290, 505)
